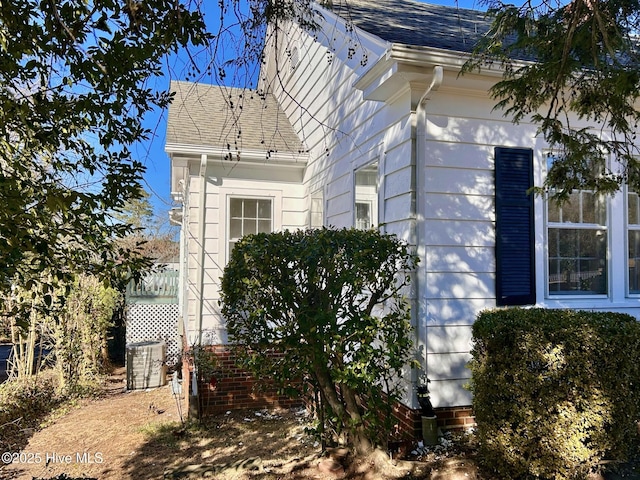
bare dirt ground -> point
(139, 435)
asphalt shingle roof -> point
(240, 119)
(410, 22)
(233, 118)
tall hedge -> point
(332, 303)
(555, 391)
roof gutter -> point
(295, 160)
(402, 63)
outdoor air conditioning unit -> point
(146, 364)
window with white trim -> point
(248, 215)
(366, 197)
(577, 237)
(633, 234)
(316, 210)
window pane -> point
(554, 210)
(249, 226)
(250, 208)
(632, 201)
(590, 243)
(554, 235)
(567, 243)
(571, 209)
(577, 257)
(363, 216)
(579, 267)
(634, 261)
(235, 228)
(555, 276)
(593, 208)
(588, 207)
(601, 210)
(248, 216)
(264, 209)
(366, 196)
(264, 226)
(235, 207)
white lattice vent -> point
(154, 322)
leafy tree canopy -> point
(579, 59)
(137, 212)
(73, 91)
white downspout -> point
(202, 217)
(183, 270)
(202, 204)
(417, 205)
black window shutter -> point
(515, 269)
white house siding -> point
(289, 205)
(456, 211)
(458, 231)
(341, 131)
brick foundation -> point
(450, 418)
(455, 418)
(232, 388)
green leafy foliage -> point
(72, 325)
(331, 303)
(573, 69)
(555, 391)
(75, 85)
(73, 331)
(204, 361)
(78, 328)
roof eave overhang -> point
(271, 159)
(405, 64)
(273, 164)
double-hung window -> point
(366, 197)
(577, 245)
(633, 232)
(316, 210)
(249, 215)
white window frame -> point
(629, 227)
(257, 218)
(372, 223)
(315, 199)
(607, 228)
(373, 198)
(225, 212)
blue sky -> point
(151, 153)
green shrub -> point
(331, 305)
(555, 391)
